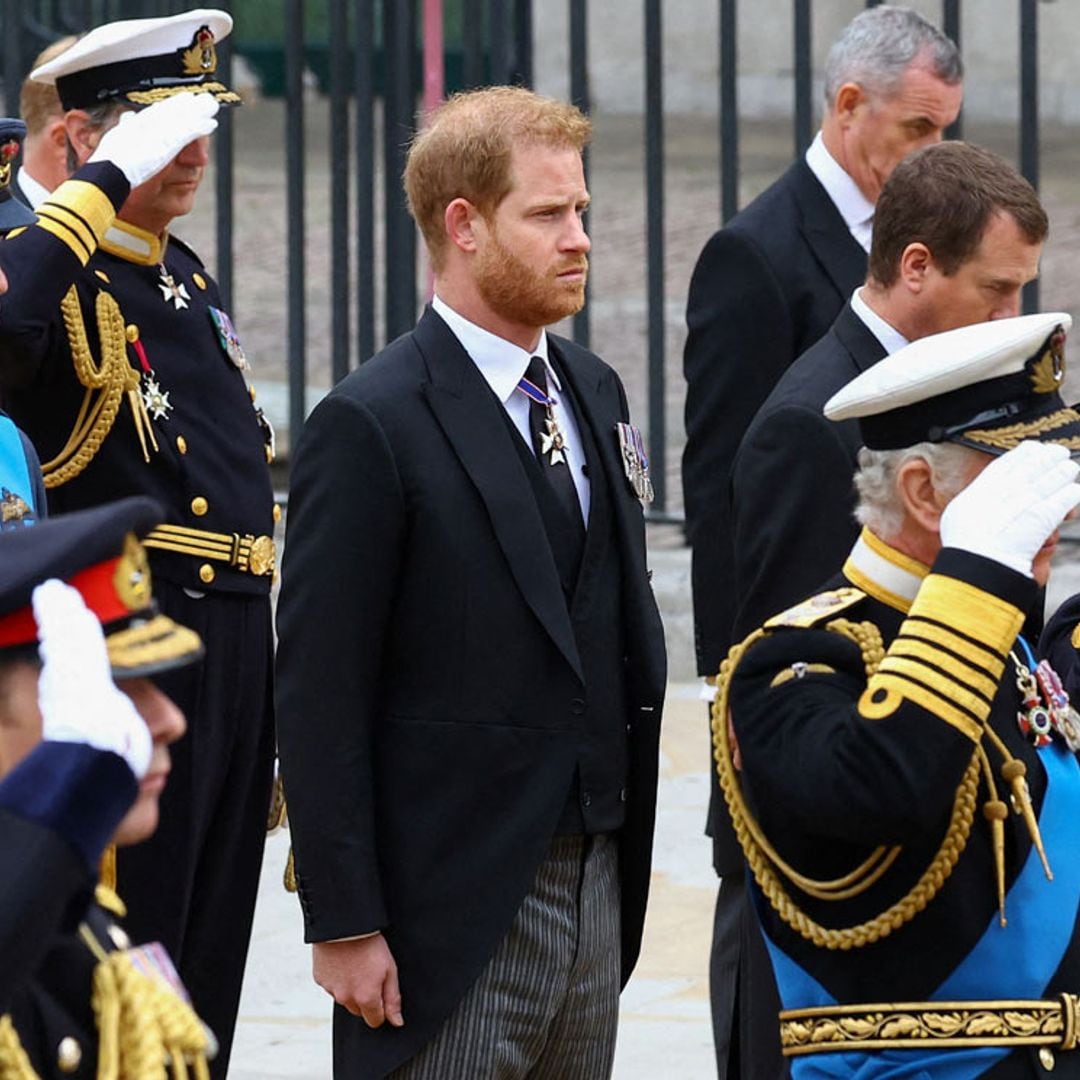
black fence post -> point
(339, 190)
(224, 182)
(1029, 114)
(654, 247)
(294, 165)
(729, 110)
(365, 179)
(804, 81)
(579, 95)
(400, 258)
(13, 60)
(951, 26)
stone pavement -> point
(664, 1034)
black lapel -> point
(839, 253)
(599, 411)
(470, 415)
(858, 339)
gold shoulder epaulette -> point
(823, 606)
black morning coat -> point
(793, 499)
(430, 690)
(766, 287)
(835, 764)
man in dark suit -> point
(958, 233)
(471, 663)
(766, 287)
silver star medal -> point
(155, 399)
(173, 290)
(552, 441)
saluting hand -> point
(361, 976)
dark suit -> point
(433, 684)
(792, 494)
(766, 287)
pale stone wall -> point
(989, 30)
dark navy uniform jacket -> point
(834, 765)
(209, 470)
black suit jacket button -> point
(622, 794)
(577, 706)
(586, 799)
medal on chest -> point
(172, 291)
(1045, 709)
(552, 440)
(151, 400)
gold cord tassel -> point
(1015, 774)
(995, 812)
(14, 1062)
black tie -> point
(546, 438)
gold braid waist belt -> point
(242, 551)
(931, 1024)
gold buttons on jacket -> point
(1046, 1058)
(68, 1054)
(206, 573)
(181, 444)
(199, 506)
(252, 392)
(199, 279)
(276, 513)
(269, 454)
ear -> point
(56, 135)
(916, 262)
(847, 101)
(462, 221)
(922, 503)
(82, 135)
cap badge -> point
(1048, 371)
(132, 578)
(8, 152)
(200, 58)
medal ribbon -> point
(534, 393)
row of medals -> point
(1045, 707)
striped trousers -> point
(546, 1006)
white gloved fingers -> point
(143, 143)
(78, 699)
(1056, 507)
(70, 641)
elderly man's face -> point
(879, 132)
(21, 730)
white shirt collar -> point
(35, 193)
(855, 208)
(501, 362)
(891, 339)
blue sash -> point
(1042, 917)
(15, 482)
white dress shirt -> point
(855, 208)
(502, 363)
(35, 193)
(891, 339)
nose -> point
(576, 238)
(1008, 308)
(196, 153)
(164, 718)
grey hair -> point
(102, 117)
(879, 507)
(880, 44)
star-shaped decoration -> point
(173, 290)
(155, 399)
(552, 442)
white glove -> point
(79, 701)
(143, 143)
(1010, 509)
